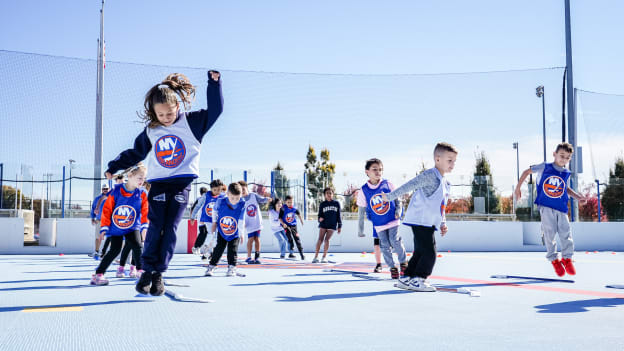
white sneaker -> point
(231, 271)
(210, 270)
(420, 284)
(315, 260)
(404, 282)
(204, 249)
(324, 260)
(195, 250)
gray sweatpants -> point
(389, 239)
(556, 222)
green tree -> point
(312, 174)
(483, 186)
(612, 198)
(280, 182)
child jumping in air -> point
(253, 221)
(124, 215)
(553, 191)
(289, 223)
(384, 215)
(426, 214)
(227, 217)
(171, 143)
(329, 221)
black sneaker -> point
(144, 283)
(377, 268)
(302, 257)
(158, 287)
(291, 256)
(394, 273)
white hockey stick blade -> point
(170, 283)
(182, 298)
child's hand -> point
(443, 229)
(214, 75)
(102, 235)
(339, 230)
(108, 175)
(518, 194)
(320, 219)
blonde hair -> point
(139, 167)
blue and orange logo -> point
(378, 205)
(290, 217)
(170, 151)
(228, 225)
(252, 210)
(209, 209)
(124, 216)
(554, 187)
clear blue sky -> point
(476, 112)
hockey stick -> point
(182, 298)
(533, 278)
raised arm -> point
(202, 120)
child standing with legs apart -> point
(227, 217)
(329, 220)
(124, 214)
(289, 222)
(552, 201)
(171, 142)
(383, 214)
(426, 214)
(253, 221)
(274, 210)
(204, 208)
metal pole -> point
(598, 190)
(544, 122)
(273, 184)
(97, 159)
(245, 176)
(63, 196)
(571, 107)
(70, 184)
(211, 175)
(32, 192)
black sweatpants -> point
(293, 238)
(424, 256)
(115, 247)
(232, 251)
(106, 245)
(201, 238)
(125, 252)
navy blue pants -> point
(167, 203)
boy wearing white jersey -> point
(253, 221)
(426, 214)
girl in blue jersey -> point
(288, 219)
(204, 210)
(171, 143)
(227, 218)
(124, 215)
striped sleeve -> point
(144, 211)
(107, 213)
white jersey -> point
(276, 226)
(253, 216)
(175, 151)
(428, 211)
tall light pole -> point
(71, 166)
(539, 91)
(97, 157)
(571, 110)
(1, 191)
(515, 146)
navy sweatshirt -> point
(199, 121)
(330, 212)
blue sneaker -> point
(249, 260)
(96, 256)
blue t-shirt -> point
(206, 210)
(288, 215)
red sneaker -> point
(569, 266)
(559, 269)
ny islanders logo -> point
(290, 217)
(170, 151)
(554, 187)
(209, 209)
(252, 210)
(123, 216)
(378, 205)
(228, 225)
